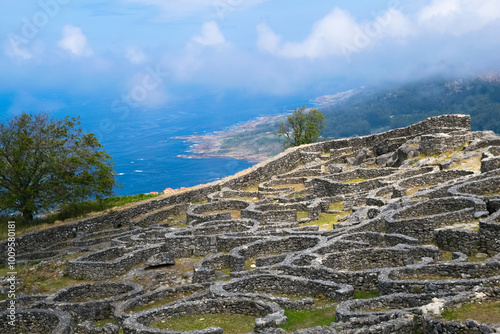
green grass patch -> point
(477, 259)
(327, 220)
(447, 256)
(48, 278)
(337, 206)
(247, 198)
(159, 302)
(230, 323)
(69, 211)
(249, 263)
(179, 221)
(296, 187)
(362, 294)
(254, 187)
(486, 312)
(422, 277)
(301, 214)
(226, 271)
(491, 194)
(355, 180)
(235, 214)
(103, 322)
(309, 318)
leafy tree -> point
(45, 163)
(302, 127)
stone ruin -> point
(411, 215)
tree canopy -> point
(46, 162)
(302, 127)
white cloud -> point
(135, 55)
(267, 41)
(341, 34)
(210, 35)
(74, 41)
(335, 34)
(439, 9)
(457, 17)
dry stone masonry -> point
(409, 219)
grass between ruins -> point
(309, 318)
(47, 278)
(235, 214)
(363, 294)
(447, 256)
(355, 180)
(297, 187)
(230, 323)
(486, 312)
(159, 302)
(337, 206)
(327, 220)
(67, 212)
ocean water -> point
(141, 142)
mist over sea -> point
(140, 140)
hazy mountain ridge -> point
(376, 110)
(364, 111)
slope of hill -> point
(373, 110)
(364, 111)
(395, 232)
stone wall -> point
(283, 162)
(458, 240)
(37, 321)
(109, 263)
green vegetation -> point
(374, 110)
(179, 221)
(355, 180)
(309, 318)
(159, 302)
(302, 127)
(327, 220)
(44, 279)
(301, 214)
(337, 206)
(46, 163)
(473, 258)
(486, 312)
(296, 187)
(235, 214)
(447, 256)
(69, 211)
(103, 322)
(230, 323)
(249, 263)
(362, 294)
(254, 187)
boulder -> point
(160, 259)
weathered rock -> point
(160, 259)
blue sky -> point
(160, 51)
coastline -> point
(255, 140)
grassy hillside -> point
(373, 110)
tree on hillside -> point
(302, 127)
(45, 163)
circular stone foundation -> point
(35, 321)
(267, 314)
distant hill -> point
(361, 112)
(373, 110)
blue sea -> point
(141, 142)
